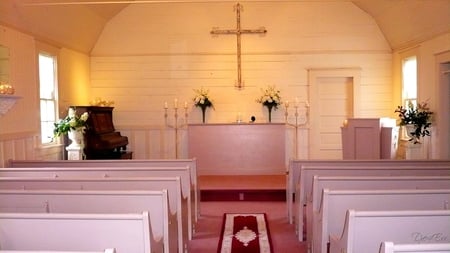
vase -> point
(410, 129)
(269, 108)
(76, 138)
(203, 113)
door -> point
(332, 98)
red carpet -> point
(245, 233)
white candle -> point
(296, 101)
(185, 105)
(306, 104)
(286, 104)
(175, 103)
(166, 105)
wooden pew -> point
(295, 165)
(103, 172)
(71, 201)
(75, 232)
(390, 247)
(177, 205)
(191, 163)
(330, 218)
(59, 251)
(364, 231)
(304, 187)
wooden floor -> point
(243, 187)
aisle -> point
(206, 238)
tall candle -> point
(296, 101)
(185, 105)
(166, 105)
(306, 104)
(175, 103)
(286, 104)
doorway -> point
(333, 94)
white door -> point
(332, 95)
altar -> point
(238, 149)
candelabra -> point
(297, 123)
(175, 125)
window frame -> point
(53, 98)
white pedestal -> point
(411, 151)
(74, 153)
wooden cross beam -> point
(238, 31)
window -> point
(48, 95)
(409, 81)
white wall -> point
(149, 54)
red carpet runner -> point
(245, 233)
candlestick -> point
(297, 124)
(176, 126)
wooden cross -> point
(238, 31)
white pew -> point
(366, 183)
(103, 172)
(59, 251)
(177, 204)
(364, 231)
(390, 247)
(304, 187)
(75, 232)
(330, 218)
(295, 165)
(191, 163)
(71, 201)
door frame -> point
(313, 75)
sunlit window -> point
(48, 95)
(409, 80)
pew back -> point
(68, 201)
(330, 218)
(191, 163)
(364, 231)
(103, 172)
(177, 206)
(59, 251)
(390, 247)
(304, 187)
(295, 165)
(61, 232)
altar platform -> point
(242, 187)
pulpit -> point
(101, 140)
(238, 149)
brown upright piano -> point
(101, 140)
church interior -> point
(249, 94)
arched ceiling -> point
(76, 24)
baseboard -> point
(243, 195)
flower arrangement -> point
(202, 98)
(70, 122)
(419, 116)
(270, 98)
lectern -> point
(369, 138)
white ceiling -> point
(77, 24)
